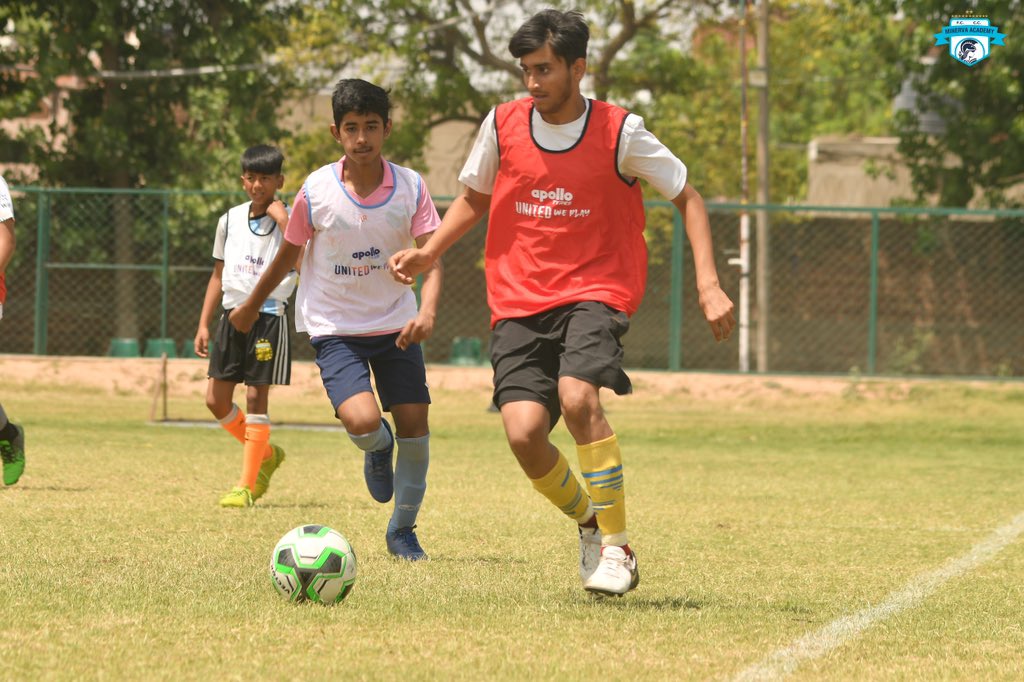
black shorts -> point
(261, 357)
(580, 340)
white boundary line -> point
(814, 645)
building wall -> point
(855, 171)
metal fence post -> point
(675, 341)
(873, 296)
(42, 306)
(165, 269)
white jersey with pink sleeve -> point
(6, 213)
(6, 206)
(345, 288)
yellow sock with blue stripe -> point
(562, 487)
(601, 465)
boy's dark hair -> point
(566, 32)
(358, 96)
(262, 158)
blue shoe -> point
(378, 470)
(403, 544)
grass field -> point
(759, 518)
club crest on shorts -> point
(970, 37)
(264, 351)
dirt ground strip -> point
(188, 378)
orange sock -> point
(234, 424)
(257, 444)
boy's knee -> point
(219, 409)
(579, 406)
(360, 423)
(523, 440)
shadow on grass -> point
(650, 603)
(50, 488)
(294, 505)
(476, 560)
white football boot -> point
(590, 551)
(616, 573)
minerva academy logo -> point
(970, 37)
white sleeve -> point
(6, 205)
(220, 237)
(642, 155)
(481, 167)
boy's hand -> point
(278, 212)
(415, 330)
(407, 263)
(717, 309)
(243, 318)
(202, 342)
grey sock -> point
(374, 441)
(410, 480)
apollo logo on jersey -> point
(560, 200)
(372, 252)
(557, 196)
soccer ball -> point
(315, 563)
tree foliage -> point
(448, 60)
(980, 152)
(675, 63)
(835, 66)
(131, 121)
(825, 77)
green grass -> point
(756, 520)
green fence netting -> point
(908, 291)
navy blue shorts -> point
(345, 363)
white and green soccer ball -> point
(314, 563)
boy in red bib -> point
(566, 266)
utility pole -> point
(743, 259)
(763, 234)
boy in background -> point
(12, 436)
(247, 239)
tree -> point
(980, 149)
(133, 121)
(448, 61)
(827, 75)
(167, 95)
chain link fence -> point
(895, 291)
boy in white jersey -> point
(12, 436)
(247, 240)
(355, 213)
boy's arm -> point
(279, 213)
(714, 302)
(213, 294)
(465, 212)
(422, 326)
(7, 243)
(244, 316)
